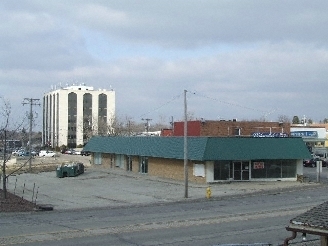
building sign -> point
(304, 134)
(258, 165)
(269, 135)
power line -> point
(265, 113)
(161, 106)
(228, 103)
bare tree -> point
(283, 118)
(88, 127)
(116, 126)
(5, 135)
(120, 127)
(162, 123)
(126, 127)
(5, 113)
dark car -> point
(86, 153)
(313, 162)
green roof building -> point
(210, 159)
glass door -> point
(237, 171)
(240, 170)
(245, 170)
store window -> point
(97, 158)
(221, 170)
(273, 169)
(143, 167)
(119, 161)
(237, 131)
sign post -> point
(319, 170)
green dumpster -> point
(59, 172)
(69, 170)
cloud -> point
(237, 59)
(195, 24)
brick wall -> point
(172, 169)
(106, 160)
(193, 128)
(160, 167)
(230, 128)
(135, 164)
(247, 128)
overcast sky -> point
(237, 59)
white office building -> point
(72, 114)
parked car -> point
(313, 162)
(85, 153)
(34, 153)
(77, 152)
(47, 153)
(69, 152)
(23, 153)
(18, 152)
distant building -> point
(10, 144)
(229, 128)
(72, 114)
(314, 135)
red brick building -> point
(226, 128)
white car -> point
(47, 153)
(17, 152)
(77, 152)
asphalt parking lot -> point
(99, 187)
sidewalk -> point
(114, 187)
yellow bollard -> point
(208, 192)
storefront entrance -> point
(239, 170)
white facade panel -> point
(319, 132)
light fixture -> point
(303, 236)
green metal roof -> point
(202, 148)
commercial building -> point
(210, 159)
(72, 114)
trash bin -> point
(59, 172)
(80, 168)
(69, 170)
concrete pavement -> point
(98, 187)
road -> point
(235, 219)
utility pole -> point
(147, 124)
(185, 148)
(32, 102)
(172, 124)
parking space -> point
(315, 175)
(98, 187)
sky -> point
(244, 60)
